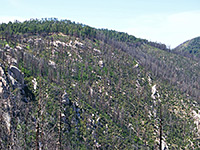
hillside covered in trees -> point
(190, 48)
(69, 86)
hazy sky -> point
(167, 21)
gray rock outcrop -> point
(16, 74)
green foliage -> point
(189, 48)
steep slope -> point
(179, 71)
(190, 48)
(88, 92)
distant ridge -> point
(190, 48)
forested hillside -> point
(69, 86)
(190, 48)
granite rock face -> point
(16, 74)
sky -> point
(164, 21)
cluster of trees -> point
(46, 26)
(53, 25)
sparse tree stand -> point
(59, 143)
(38, 126)
(38, 137)
(160, 125)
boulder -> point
(65, 99)
(16, 74)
